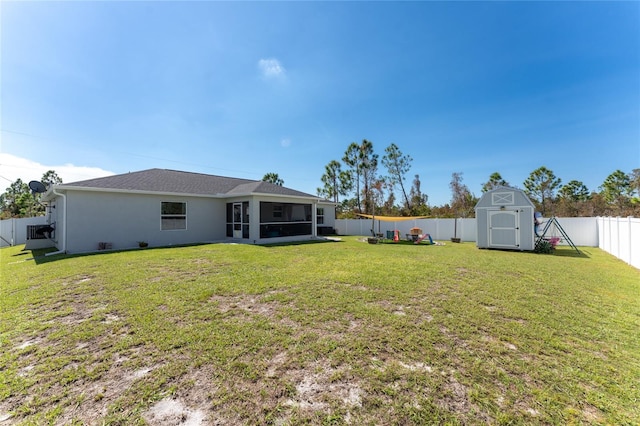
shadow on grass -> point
(559, 251)
(301, 243)
(404, 243)
(570, 252)
(37, 255)
(40, 257)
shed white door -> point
(504, 229)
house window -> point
(320, 215)
(173, 216)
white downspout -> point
(64, 224)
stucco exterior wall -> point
(124, 219)
(329, 214)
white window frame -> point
(172, 216)
(319, 215)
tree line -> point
(364, 190)
(19, 201)
(357, 185)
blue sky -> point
(245, 88)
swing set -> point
(552, 233)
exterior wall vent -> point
(502, 198)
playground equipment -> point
(550, 233)
(393, 235)
(422, 237)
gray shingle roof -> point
(174, 181)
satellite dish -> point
(37, 187)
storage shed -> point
(504, 219)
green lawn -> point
(324, 333)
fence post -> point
(603, 238)
(630, 245)
(608, 249)
(618, 235)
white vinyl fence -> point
(617, 236)
(14, 231)
(439, 229)
(620, 236)
(583, 231)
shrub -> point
(544, 247)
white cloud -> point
(271, 68)
(13, 168)
(285, 143)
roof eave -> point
(50, 194)
(136, 191)
(267, 194)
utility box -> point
(504, 220)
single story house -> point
(168, 207)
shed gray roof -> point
(178, 182)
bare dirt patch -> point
(99, 395)
(27, 343)
(94, 375)
(458, 341)
(275, 364)
(399, 311)
(319, 385)
(360, 287)
(83, 279)
(417, 366)
(496, 341)
(393, 309)
(455, 397)
(283, 392)
(490, 308)
(110, 318)
(172, 412)
(248, 304)
(592, 414)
